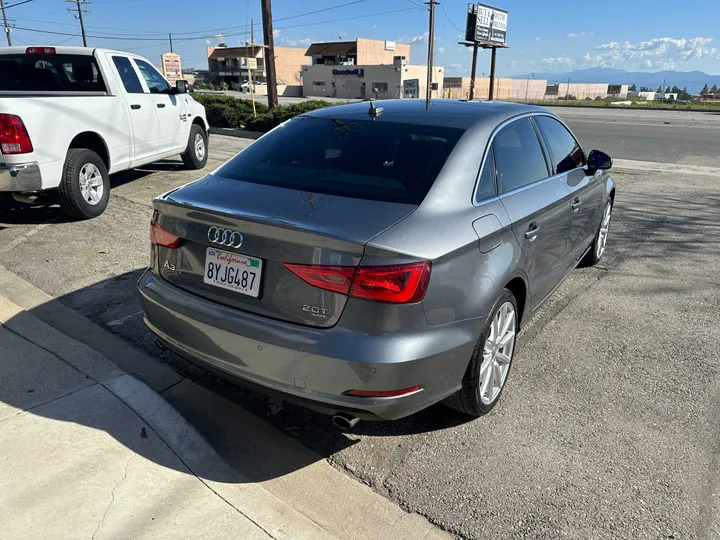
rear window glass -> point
(365, 159)
(50, 73)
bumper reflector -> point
(384, 393)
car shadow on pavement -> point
(233, 412)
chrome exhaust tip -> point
(344, 422)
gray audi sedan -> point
(369, 260)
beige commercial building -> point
(229, 64)
(365, 52)
(577, 91)
(366, 81)
(505, 89)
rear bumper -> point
(20, 177)
(310, 366)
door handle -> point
(576, 205)
(161, 105)
(134, 107)
(532, 232)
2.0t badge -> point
(224, 237)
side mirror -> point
(181, 87)
(598, 160)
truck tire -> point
(85, 185)
(196, 153)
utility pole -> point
(431, 46)
(567, 93)
(5, 24)
(269, 53)
(662, 94)
(251, 73)
(170, 36)
(79, 16)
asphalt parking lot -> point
(608, 427)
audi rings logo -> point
(225, 237)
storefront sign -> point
(248, 63)
(357, 72)
(171, 68)
(389, 45)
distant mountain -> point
(694, 80)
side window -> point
(564, 149)
(519, 159)
(127, 75)
(156, 82)
(486, 186)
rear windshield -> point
(50, 73)
(377, 160)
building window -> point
(380, 87)
(319, 86)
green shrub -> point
(228, 112)
(199, 85)
(278, 115)
(223, 86)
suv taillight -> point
(399, 284)
(14, 138)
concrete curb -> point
(322, 502)
(241, 133)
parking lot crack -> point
(112, 496)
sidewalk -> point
(88, 451)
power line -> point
(79, 16)
(449, 20)
(18, 4)
(194, 38)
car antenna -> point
(375, 111)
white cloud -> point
(658, 53)
(208, 42)
(420, 38)
(276, 32)
(537, 39)
(454, 66)
(574, 34)
(441, 50)
(295, 41)
(219, 36)
(374, 26)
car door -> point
(171, 110)
(536, 203)
(568, 162)
(143, 115)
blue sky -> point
(545, 36)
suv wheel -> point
(489, 367)
(598, 246)
(196, 153)
(85, 186)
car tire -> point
(479, 394)
(196, 153)
(85, 186)
(597, 249)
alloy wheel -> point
(92, 186)
(498, 353)
(199, 147)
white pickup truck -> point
(70, 116)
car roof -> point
(64, 50)
(446, 112)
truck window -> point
(156, 82)
(50, 73)
(127, 75)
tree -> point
(714, 90)
(704, 90)
(633, 88)
(676, 90)
(659, 90)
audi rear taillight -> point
(14, 138)
(162, 237)
(398, 284)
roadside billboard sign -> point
(248, 63)
(171, 67)
(486, 24)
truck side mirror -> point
(181, 87)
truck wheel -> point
(196, 153)
(85, 185)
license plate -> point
(233, 272)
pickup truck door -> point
(141, 109)
(171, 109)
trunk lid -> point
(278, 225)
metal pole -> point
(269, 53)
(251, 74)
(431, 45)
(662, 94)
(567, 92)
(473, 72)
(170, 36)
(82, 24)
(7, 28)
(491, 93)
